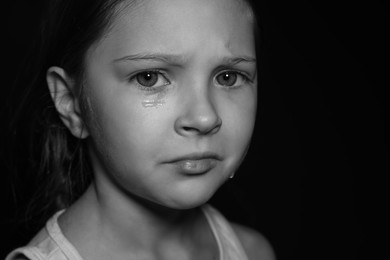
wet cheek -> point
(128, 129)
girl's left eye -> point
(230, 79)
(150, 79)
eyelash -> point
(244, 76)
(132, 78)
(145, 88)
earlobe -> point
(63, 92)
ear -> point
(63, 92)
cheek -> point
(238, 122)
(122, 128)
(109, 123)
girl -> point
(161, 96)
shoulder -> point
(255, 244)
(23, 253)
(41, 247)
(19, 257)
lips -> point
(196, 163)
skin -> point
(135, 132)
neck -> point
(127, 223)
(134, 215)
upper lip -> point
(196, 156)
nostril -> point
(204, 130)
(190, 129)
(216, 128)
(200, 119)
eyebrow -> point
(166, 58)
(237, 60)
(179, 59)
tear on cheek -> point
(156, 101)
(153, 103)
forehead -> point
(179, 25)
(184, 7)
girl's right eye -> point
(150, 79)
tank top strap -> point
(60, 240)
(230, 247)
(48, 244)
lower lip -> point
(195, 167)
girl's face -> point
(171, 91)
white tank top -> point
(51, 244)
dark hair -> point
(57, 160)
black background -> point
(313, 180)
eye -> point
(150, 79)
(230, 79)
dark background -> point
(312, 182)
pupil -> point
(147, 76)
(147, 79)
(227, 79)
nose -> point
(198, 117)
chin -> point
(187, 204)
(189, 198)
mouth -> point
(196, 163)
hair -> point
(57, 161)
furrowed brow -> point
(236, 60)
(157, 57)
